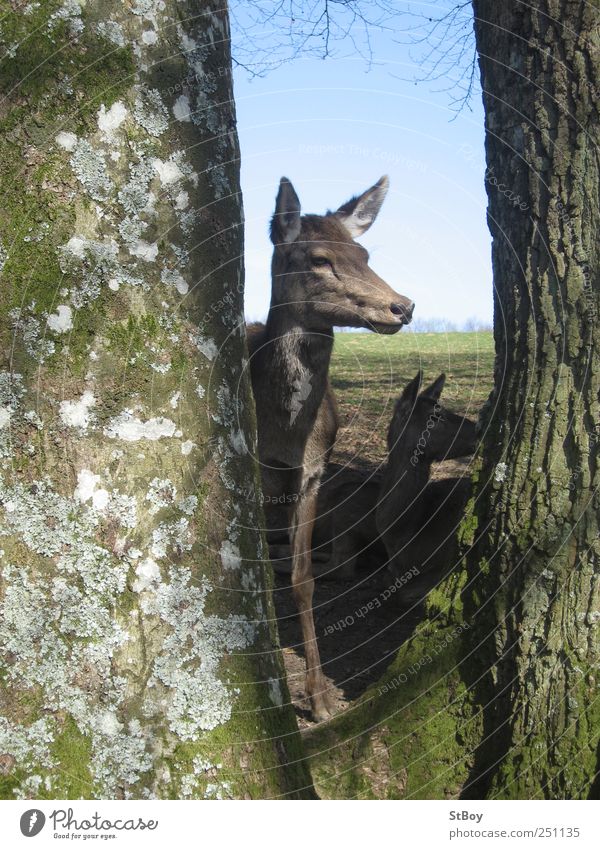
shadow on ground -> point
(355, 649)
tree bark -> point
(140, 654)
(535, 570)
(497, 695)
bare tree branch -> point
(269, 33)
(443, 47)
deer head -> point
(420, 423)
(322, 275)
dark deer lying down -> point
(346, 523)
(346, 534)
(320, 280)
(417, 518)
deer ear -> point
(435, 390)
(411, 390)
(359, 213)
(285, 224)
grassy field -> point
(368, 372)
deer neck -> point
(299, 365)
(404, 480)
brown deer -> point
(416, 517)
(320, 280)
(346, 524)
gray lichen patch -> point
(28, 745)
(198, 101)
(205, 345)
(205, 780)
(64, 636)
(161, 493)
(134, 197)
(172, 277)
(185, 672)
(70, 11)
(144, 195)
(149, 10)
(111, 31)
(151, 113)
(3, 257)
(91, 263)
(32, 329)
(59, 625)
(230, 556)
(91, 169)
(130, 428)
(11, 393)
(171, 537)
(78, 413)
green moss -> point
(421, 735)
(179, 364)
(46, 56)
(9, 783)
(469, 524)
(128, 601)
(271, 767)
(32, 266)
(33, 181)
(254, 759)
(524, 537)
(444, 603)
(72, 750)
(131, 335)
(70, 779)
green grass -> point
(368, 372)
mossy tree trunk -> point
(536, 568)
(140, 654)
(498, 694)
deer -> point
(416, 517)
(345, 532)
(320, 279)
(350, 498)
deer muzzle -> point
(400, 313)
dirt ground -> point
(354, 655)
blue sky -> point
(334, 127)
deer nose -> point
(405, 311)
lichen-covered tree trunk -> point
(139, 651)
(498, 694)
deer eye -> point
(321, 262)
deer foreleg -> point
(303, 586)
